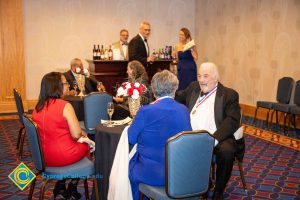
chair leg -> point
(32, 188)
(42, 190)
(276, 115)
(295, 125)
(284, 121)
(19, 137)
(86, 189)
(255, 115)
(96, 189)
(21, 144)
(240, 164)
(267, 119)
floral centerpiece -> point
(134, 91)
(82, 71)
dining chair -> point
(82, 169)
(95, 109)
(188, 162)
(295, 109)
(284, 89)
(284, 106)
(20, 109)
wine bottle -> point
(110, 53)
(98, 53)
(94, 53)
(106, 54)
(102, 56)
(154, 54)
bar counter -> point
(114, 72)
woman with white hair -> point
(151, 128)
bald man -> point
(138, 48)
(215, 108)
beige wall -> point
(57, 31)
(254, 42)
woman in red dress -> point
(59, 131)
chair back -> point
(34, 143)
(19, 104)
(284, 90)
(188, 161)
(95, 109)
(297, 93)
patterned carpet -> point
(272, 171)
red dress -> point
(58, 146)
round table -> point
(106, 139)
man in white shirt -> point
(215, 108)
(138, 48)
(122, 44)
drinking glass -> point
(75, 86)
(110, 111)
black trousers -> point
(225, 155)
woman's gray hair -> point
(164, 83)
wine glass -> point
(75, 86)
(110, 111)
(99, 86)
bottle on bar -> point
(102, 56)
(154, 54)
(166, 53)
(162, 54)
(94, 53)
(106, 54)
(110, 53)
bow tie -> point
(125, 43)
(145, 40)
(202, 94)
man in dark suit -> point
(138, 48)
(215, 108)
(90, 83)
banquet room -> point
(161, 99)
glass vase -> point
(134, 106)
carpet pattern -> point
(272, 171)
(272, 137)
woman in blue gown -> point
(187, 68)
(151, 128)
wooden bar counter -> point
(113, 72)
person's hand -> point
(72, 92)
(118, 99)
(150, 59)
(83, 133)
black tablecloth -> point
(106, 140)
(77, 103)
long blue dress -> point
(150, 129)
(187, 69)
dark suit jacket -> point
(227, 109)
(137, 50)
(90, 83)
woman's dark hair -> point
(51, 88)
(187, 33)
(138, 71)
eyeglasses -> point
(65, 83)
